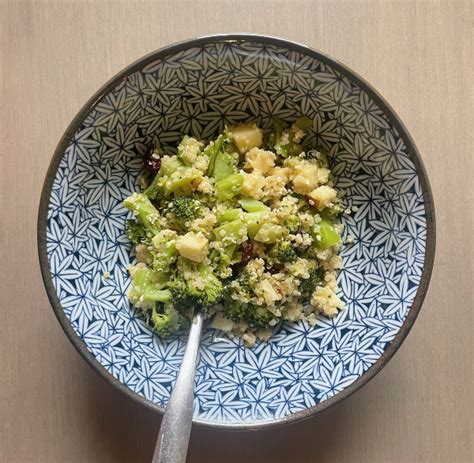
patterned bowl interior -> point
(196, 88)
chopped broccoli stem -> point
(254, 221)
(234, 232)
(224, 166)
(229, 215)
(229, 187)
(252, 205)
(144, 211)
(144, 291)
(169, 165)
(328, 235)
(269, 233)
(213, 149)
(182, 181)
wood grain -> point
(419, 55)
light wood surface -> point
(419, 55)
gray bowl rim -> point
(264, 40)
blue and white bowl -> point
(196, 87)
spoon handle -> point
(173, 439)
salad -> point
(243, 228)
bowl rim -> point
(394, 120)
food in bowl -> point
(243, 227)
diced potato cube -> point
(249, 339)
(219, 322)
(269, 233)
(303, 185)
(253, 185)
(274, 186)
(247, 136)
(189, 149)
(323, 196)
(323, 175)
(326, 301)
(193, 246)
(281, 172)
(260, 160)
(265, 288)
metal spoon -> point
(173, 438)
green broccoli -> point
(198, 286)
(286, 252)
(168, 320)
(146, 214)
(308, 285)
(292, 223)
(255, 316)
(274, 138)
(213, 149)
(164, 251)
(326, 233)
(157, 188)
(145, 291)
(282, 139)
(161, 323)
(185, 209)
(136, 232)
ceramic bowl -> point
(196, 87)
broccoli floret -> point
(164, 251)
(286, 253)
(185, 209)
(167, 320)
(255, 316)
(308, 285)
(223, 259)
(146, 289)
(146, 214)
(136, 232)
(196, 286)
(282, 140)
(156, 189)
(292, 223)
(161, 323)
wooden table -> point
(55, 54)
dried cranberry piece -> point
(152, 164)
(247, 252)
